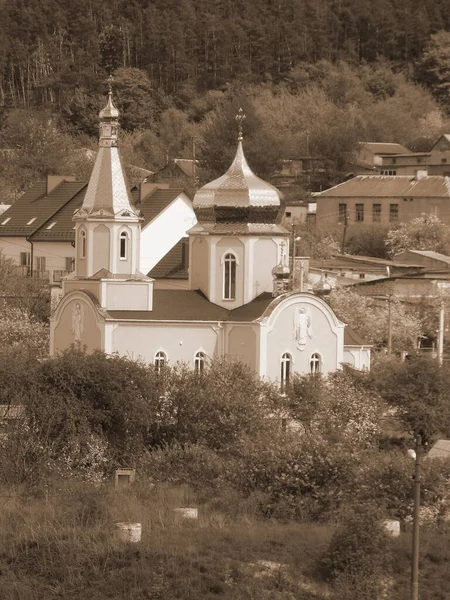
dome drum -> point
(239, 214)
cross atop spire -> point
(240, 118)
(109, 81)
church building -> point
(238, 302)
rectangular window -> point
(70, 264)
(40, 264)
(25, 259)
(359, 213)
(394, 161)
(342, 213)
(393, 212)
(443, 161)
(376, 213)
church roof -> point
(107, 195)
(192, 305)
(172, 265)
(238, 187)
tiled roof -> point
(171, 266)
(63, 230)
(381, 186)
(155, 202)
(440, 449)
(35, 204)
(385, 147)
(58, 207)
(351, 338)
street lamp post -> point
(416, 522)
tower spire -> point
(240, 118)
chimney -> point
(54, 180)
(420, 174)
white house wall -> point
(161, 234)
(55, 253)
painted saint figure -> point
(302, 327)
(77, 322)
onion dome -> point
(238, 196)
(110, 111)
(322, 288)
(281, 271)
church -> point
(238, 302)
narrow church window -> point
(286, 362)
(160, 361)
(315, 363)
(229, 277)
(199, 362)
(83, 244)
(123, 245)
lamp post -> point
(417, 455)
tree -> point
(369, 318)
(434, 67)
(426, 232)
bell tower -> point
(108, 229)
(107, 226)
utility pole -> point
(344, 233)
(389, 342)
(441, 333)
(416, 523)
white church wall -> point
(323, 336)
(179, 341)
(265, 254)
(161, 234)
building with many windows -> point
(368, 200)
(237, 302)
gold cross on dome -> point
(240, 118)
(109, 81)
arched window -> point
(229, 277)
(199, 362)
(123, 245)
(160, 360)
(315, 363)
(286, 367)
(83, 244)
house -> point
(37, 231)
(373, 200)
(178, 172)
(435, 162)
(370, 156)
(236, 304)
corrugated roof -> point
(434, 186)
(385, 147)
(35, 204)
(431, 254)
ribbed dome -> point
(239, 196)
(281, 271)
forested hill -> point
(46, 44)
(314, 77)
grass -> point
(66, 548)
